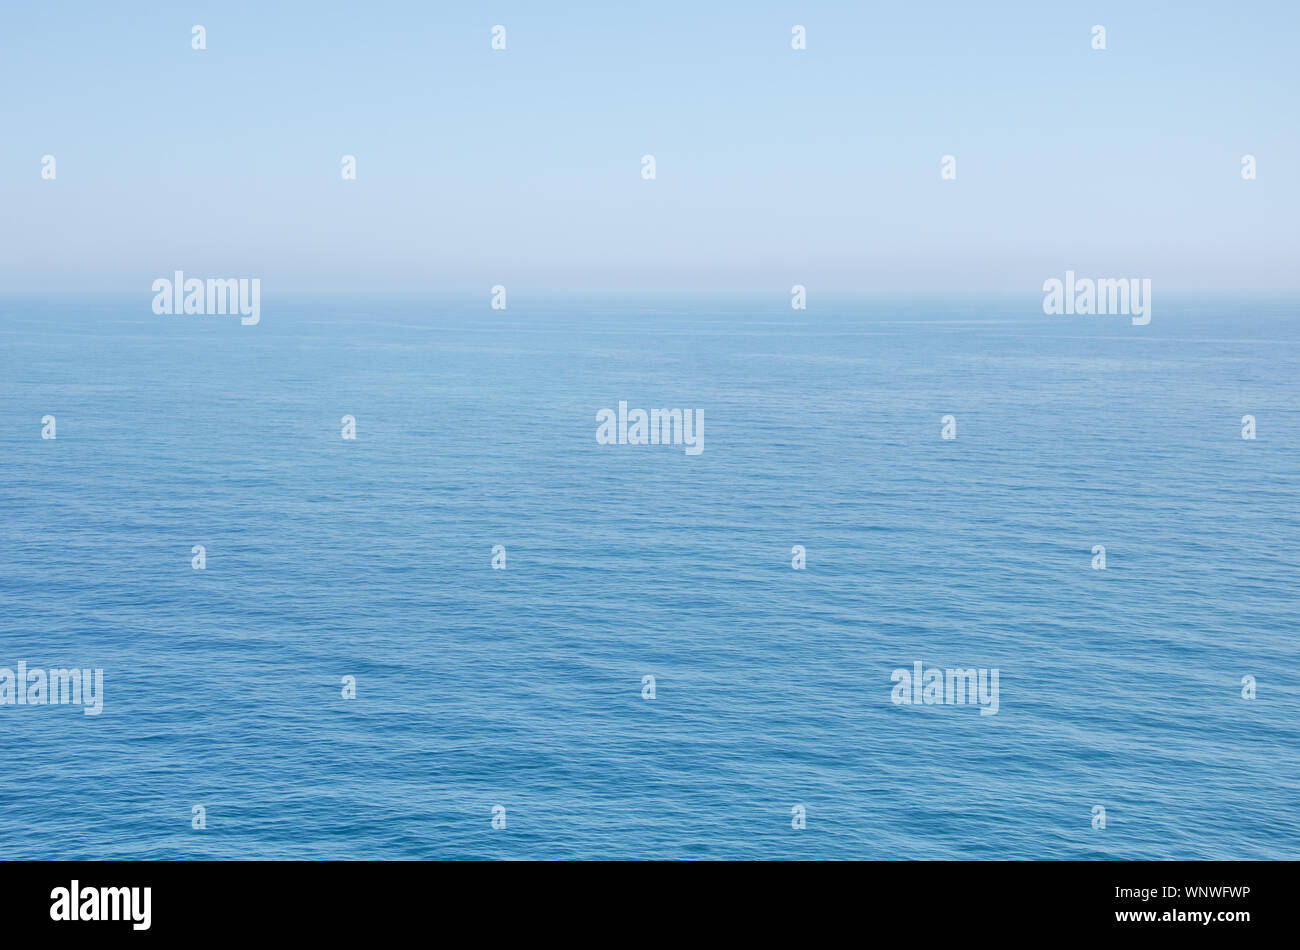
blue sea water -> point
(522, 687)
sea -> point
(646, 674)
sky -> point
(774, 166)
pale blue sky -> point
(775, 167)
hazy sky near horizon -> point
(774, 166)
